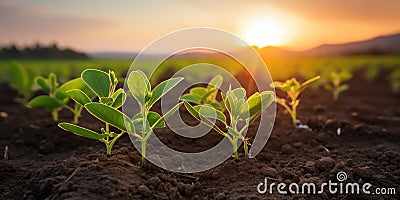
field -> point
(45, 162)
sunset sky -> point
(95, 26)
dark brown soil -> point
(48, 163)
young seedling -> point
(146, 121)
(57, 97)
(242, 114)
(103, 85)
(394, 79)
(335, 85)
(22, 82)
(292, 88)
(200, 95)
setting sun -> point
(264, 32)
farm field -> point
(358, 134)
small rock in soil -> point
(46, 147)
(269, 172)
(309, 166)
(189, 189)
(154, 181)
(144, 190)
(331, 124)
(325, 164)
(287, 149)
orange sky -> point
(129, 26)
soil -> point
(45, 162)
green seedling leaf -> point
(76, 83)
(343, 88)
(215, 82)
(42, 83)
(210, 94)
(309, 82)
(20, 80)
(98, 81)
(53, 82)
(106, 100)
(119, 100)
(191, 98)
(139, 86)
(162, 88)
(153, 120)
(78, 96)
(266, 99)
(240, 93)
(198, 92)
(108, 114)
(43, 101)
(84, 132)
(210, 112)
(196, 115)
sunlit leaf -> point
(78, 96)
(139, 86)
(43, 101)
(108, 114)
(162, 88)
(84, 132)
(98, 81)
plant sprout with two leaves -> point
(336, 86)
(146, 120)
(207, 95)
(103, 85)
(57, 97)
(292, 88)
(239, 110)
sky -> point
(130, 25)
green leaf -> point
(106, 100)
(210, 94)
(343, 88)
(53, 82)
(266, 99)
(240, 93)
(84, 132)
(44, 101)
(108, 114)
(215, 82)
(42, 83)
(198, 92)
(345, 75)
(139, 86)
(191, 98)
(119, 100)
(196, 115)
(308, 82)
(210, 112)
(98, 81)
(76, 83)
(277, 84)
(329, 87)
(20, 79)
(78, 96)
(154, 120)
(162, 88)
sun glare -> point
(264, 32)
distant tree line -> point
(39, 51)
